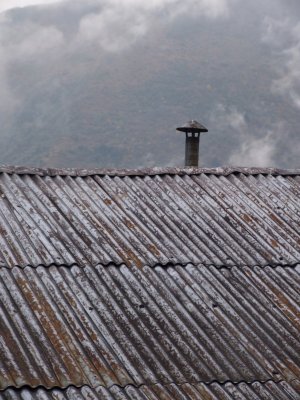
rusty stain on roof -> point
(109, 325)
(209, 218)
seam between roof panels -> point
(215, 381)
(166, 265)
(64, 388)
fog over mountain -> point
(104, 83)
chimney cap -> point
(193, 127)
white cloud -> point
(253, 151)
(228, 117)
(8, 101)
(121, 22)
(27, 43)
(6, 5)
(42, 39)
(210, 8)
(276, 32)
(114, 28)
(284, 37)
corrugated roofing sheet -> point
(109, 325)
(215, 217)
(256, 391)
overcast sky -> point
(105, 82)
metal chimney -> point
(192, 131)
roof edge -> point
(220, 171)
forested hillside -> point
(69, 102)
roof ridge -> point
(219, 171)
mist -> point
(105, 82)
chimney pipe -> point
(192, 131)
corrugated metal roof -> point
(109, 325)
(256, 391)
(215, 217)
(190, 315)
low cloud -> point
(250, 150)
(41, 40)
(258, 152)
(21, 43)
(112, 25)
(6, 5)
(114, 28)
(8, 101)
(120, 23)
(284, 38)
(223, 116)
